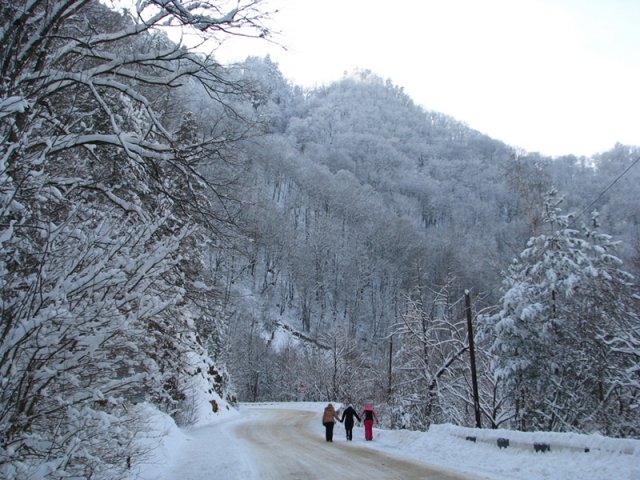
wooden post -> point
(472, 355)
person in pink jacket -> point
(368, 415)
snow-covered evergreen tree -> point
(565, 298)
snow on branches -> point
(102, 208)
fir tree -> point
(566, 296)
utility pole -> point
(390, 385)
(472, 355)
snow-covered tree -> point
(431, 363)
(566, 298)
(102, 209)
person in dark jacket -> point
(329, 417)
(347, 418)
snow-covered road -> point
(286, 441)
(287, 444)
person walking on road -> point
(347, 419)
(369, 414)
(329, 418)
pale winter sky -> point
(554, 76)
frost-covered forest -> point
(182, 232)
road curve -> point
(284, 446)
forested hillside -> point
(370, 218)
(166, 219)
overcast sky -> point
(554, 76)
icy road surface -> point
(282, 444)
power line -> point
(607, 189)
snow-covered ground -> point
(445, 446)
